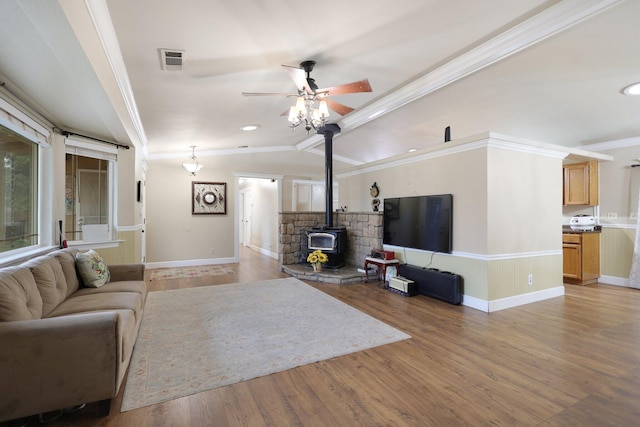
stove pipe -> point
(328, 131)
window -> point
(309, 196)
(18, 192)
(89, 191)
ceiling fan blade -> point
(268, 94)
(298, 77)
(355, 87)
(337, 107)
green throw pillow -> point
(93, 271)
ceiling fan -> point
(309, 93)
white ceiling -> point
(550, 71)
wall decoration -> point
(208, 198)
(375, 191)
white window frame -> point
(312, 184)
(87, 148)
(20, 123)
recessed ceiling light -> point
(633, 89)
(413, 150)
(249, 128)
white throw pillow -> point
(93, 271)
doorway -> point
(258, 203)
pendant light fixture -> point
(192, 166)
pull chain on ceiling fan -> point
(304, 110)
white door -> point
(246, 218)
(309, 196)
(302, 197)
(92, 204)
(143, 236)
(241, 218)
(317, 197)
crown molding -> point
(484, 140)
(223, 152)
(257, 175)
(111, 59)
(337, 157)
(612, 145)
(550, 21)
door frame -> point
(236, 221)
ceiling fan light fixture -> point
(632, 89)
(192, 166)
(303, 111)
(324, 109)
(301, 106)
(293, 114)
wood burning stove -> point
(330, 240)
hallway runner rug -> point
(198, 339)
(182, 272)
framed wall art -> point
(208, 198)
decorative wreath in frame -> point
(208, 198)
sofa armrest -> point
(123, 272)
(54, 363)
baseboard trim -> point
(510, 302)
(477, 303)
(264, 251)
(514, 301)
(190, 263)
(613, 280)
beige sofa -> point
(63, 344)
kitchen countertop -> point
(568, 229)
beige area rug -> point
(182, 272)
(198, 339)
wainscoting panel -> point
(616, 251)
(510, 277)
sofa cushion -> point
(50, 280)
(100, 302)
(122, 286)
(92, 269)
(19, 296)
(67, 260)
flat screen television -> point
(419, 222)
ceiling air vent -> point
(171, 59)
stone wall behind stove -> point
(364, 233)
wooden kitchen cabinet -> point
(581, 257)
(580, 183)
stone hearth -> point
(364, 233)
(343, 275)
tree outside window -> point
(18, 191)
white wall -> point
(507, 216)
(173, 234)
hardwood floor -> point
(567, 361)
